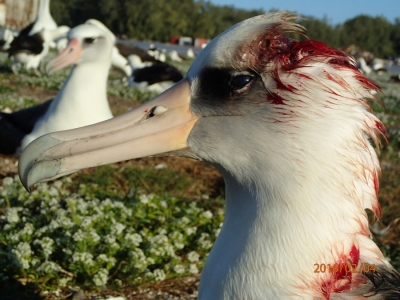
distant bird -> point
(120, 62)
(156, 77)
(174, 56)
(379, 66)
(43, 20)
(34, 41)
(127, 49)
(289, 126)
(7, 37)
(395, 78)
(82, 99)
(148, 73)
(153, 51)
(362, 65)
(30, 50)
(188, 55)
(156, 53)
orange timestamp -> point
(344, 267)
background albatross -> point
(288, 125)
(82, 99)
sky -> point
(336, 11)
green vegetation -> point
(14, 103)
(58, 236)
(140, 20)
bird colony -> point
(289, 125)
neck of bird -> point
(44, 9)
(282, 226)
(84, 90)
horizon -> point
(333, 10)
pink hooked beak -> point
(71, 54)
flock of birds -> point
(287, 123)
(82, 100)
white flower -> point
(163, 204)
(27, 230)
(24, 263)
(117, 228)
(162, 231)
(58, 184)
(193, 269)
(204, 241)
(208, 214)
(110, 239)
(62, 282)
(78, 236)
(66, 222)
(94, 236)
(53, 191)
(102, 257)
(47, 245)
(191, 230)
(159, 274)
(179, 245)
(118, 282)
(22, 250)
(86, 222)
(54, 224)
(84, 257)
(184, 221)
(82, 206)
(12, 214)
(8, 181)
(193, 256)
(100, 279)
(179, 269)
(138, 258)
(144, 198)
(150, 261)
(111, 262)
(48, 267)
(133, 238)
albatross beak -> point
(160, 125)
(72, 53)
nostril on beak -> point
(156, 110)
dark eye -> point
(240, 81)
(89, 40)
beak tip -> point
(24, 184)
(32, 166)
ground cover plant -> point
(117, 228)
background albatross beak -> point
(160, 125)
(72, 53)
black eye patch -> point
(88, 40)
(222, 83)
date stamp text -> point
(347, 267)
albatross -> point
(288, 125)
(33, 42)
(82, 99)
(148, 72)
